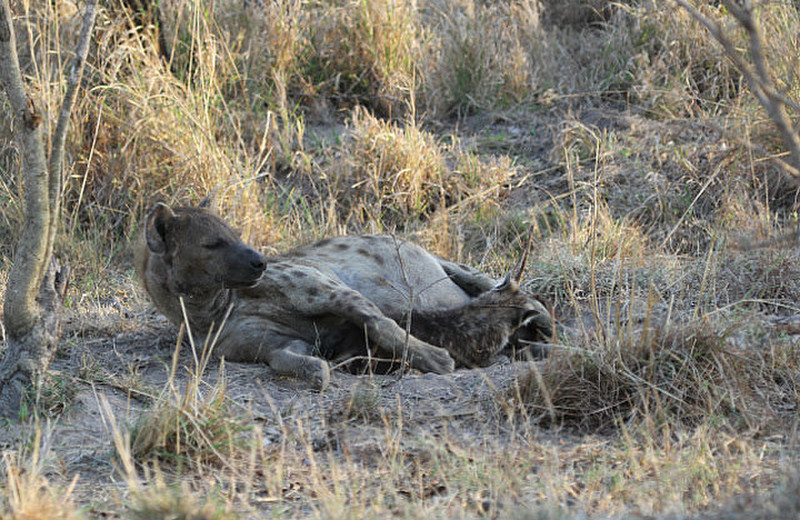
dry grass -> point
(779, 503)
(391, 177)
(27, 494)
(149, 132)
(618, 136)
(197, 426)
(161, 502)
(389, 173)
(667, 376)
(195, 430)
(364, 52)
(481, 56)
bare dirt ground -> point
(122, 357)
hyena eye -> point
(216, 244)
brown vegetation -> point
(622, 139)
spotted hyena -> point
(340, 297)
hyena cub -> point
(475, 332)
(335, 298)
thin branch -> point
(776, 107)
(757, 75)
(76, 67)
(11, 75)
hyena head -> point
(517, 307)
(201, 253)
(529, 318)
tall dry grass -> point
(619, 138)
(481, 56)
(154, 132)
(227, 108)
(664, 375)
(191, 427)
(388, 177)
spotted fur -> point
(337, 297)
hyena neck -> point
(207, 311)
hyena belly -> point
(399, 277)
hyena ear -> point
(158, 219)
(516, 273)
(505, 283)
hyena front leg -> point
(295, 359)
(335, 298)
(389, 337)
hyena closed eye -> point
(337, 296)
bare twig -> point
(411, 297)
(55, 165)
(757, 74)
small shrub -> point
(57, 393)
(160, 501)
(27, 495)
(192, 428)
(480, 60)
(363, 404)
(363, 52)
(390, 174)
(198, 426)
(393, 176)
(670, 374)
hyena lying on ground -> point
(335, 298)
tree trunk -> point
(30, 349)
(36, 283)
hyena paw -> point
(318, 374)
(435, 359)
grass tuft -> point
(27, 494)
(480, 58)
(196, 427)
(392, 177)
(665, 375)
(362, 52)
(160, 501)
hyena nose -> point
(258, 262)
